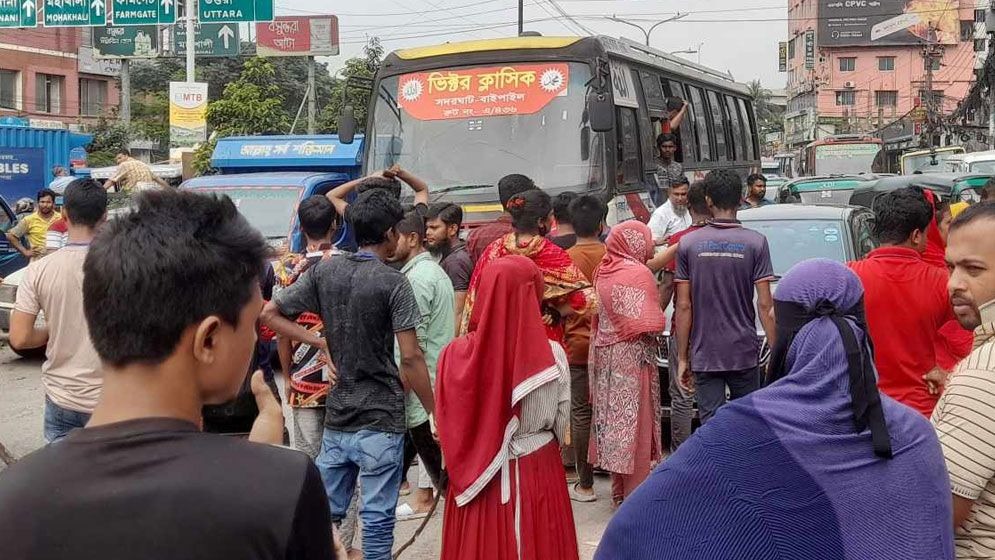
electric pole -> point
(648, 32)
(191, 40)
(521, 17)
(932, 52)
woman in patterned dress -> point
(625, 387)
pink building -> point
(50, 77)
(848, 75)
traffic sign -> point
(143, 12)
(75, 13)
(213, 39)
(119, 41)
(18, 13)
(215, 11)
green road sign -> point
(235, 10)
(75, 13)
(18, 13)
(134, 41)
(213, 39)
(143, 12)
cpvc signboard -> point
(74, 13)
(18, 13)
(227, 11)
(143, 12)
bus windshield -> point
(845, 158)
(464, 128)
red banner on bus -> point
(519, 89)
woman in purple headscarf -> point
(817, 465)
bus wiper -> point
(392, 104)
(458, 188)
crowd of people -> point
(498, 360)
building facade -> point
(51, 78)
(861, 72)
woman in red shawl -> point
(565, 290)
(502, 408)
(625, 386)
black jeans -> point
(580, 423)
(429, 453)
(710, 388)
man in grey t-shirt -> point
(719, 267)
(363, 304)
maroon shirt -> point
(483, 236)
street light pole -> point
(648, 32)
(191, 6)
(521, 17)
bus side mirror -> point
(347, 125)
(600, 112)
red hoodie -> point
(907, 304)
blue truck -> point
(267, 176)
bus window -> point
(647, 137)
(718, 122)
(748, 123)
(655, 100)
(686, 134)
(738, 129)
(629, 168)
(700, 111)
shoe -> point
(578, 496)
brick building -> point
(50, 77)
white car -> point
(8, 295)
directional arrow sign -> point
(74, 13)
(143, 12)
(213, 39)
(18, 13)
(228, 11)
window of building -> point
(886, 98)
(846, 98)
(92, 96)
(848, 64)
(979, 16)
(48, 93)
(8, 89)
(886, 63)
(931, 62)
(966, 30)
(980, 45)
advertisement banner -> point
(298, 36)
(809, 50)
(520, 89)
(782, 56)
(22, 173)
(116, 41)
(887, 22)
(187, 114)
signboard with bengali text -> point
(519, 89)
(187, 114)
(298, 36)
(114, 41)
(887, 22)
(18, 13)
(229, 11)
(212, 39)
(782, 56)
(74, 13)
(143, 12)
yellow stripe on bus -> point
(483, 207)
(487, 45)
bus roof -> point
(463, 47)
(855, 139)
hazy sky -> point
(748, 49)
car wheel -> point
(30, 353)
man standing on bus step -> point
(756, 192)
(481, 237)
(668, 170)
(673, 215)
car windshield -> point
(793, 241)
(987, 166)
(833, 159)
(269, 209)
(924, 163)
(464, 128)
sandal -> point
(578, 496)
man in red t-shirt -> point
(905, 299)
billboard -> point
(22, 173)
(298, 36)
(844, 23)
(782, 56)
(187, 114)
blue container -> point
(22, 146)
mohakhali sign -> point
(212, 39)
(18, 13)
(298, 36)
(74, 13)
(187, 114)
(228, 11)
(115, 41)
(143, 12)
(844, 23)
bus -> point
(576, 114)
(843, 155)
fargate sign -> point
(521, 89)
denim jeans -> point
(60, 421)
(710, 388)
(376, 459)
(681, 402)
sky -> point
(746, 48)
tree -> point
(356, 94)
(769, 116)
(109, 138)
(251, 105)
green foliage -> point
(356, 95)
(202, 156)
(769, 116)
(108, 138)
(252, 104)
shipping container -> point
(23, 149)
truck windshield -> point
(848, 158)
(462, 129)
(269, 209)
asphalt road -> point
(21, 406)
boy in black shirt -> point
(171, 297)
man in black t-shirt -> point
(171, 297)
(363, 304)
(442, 225)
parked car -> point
(10, 258)
(828, 189)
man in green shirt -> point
(435, 297)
